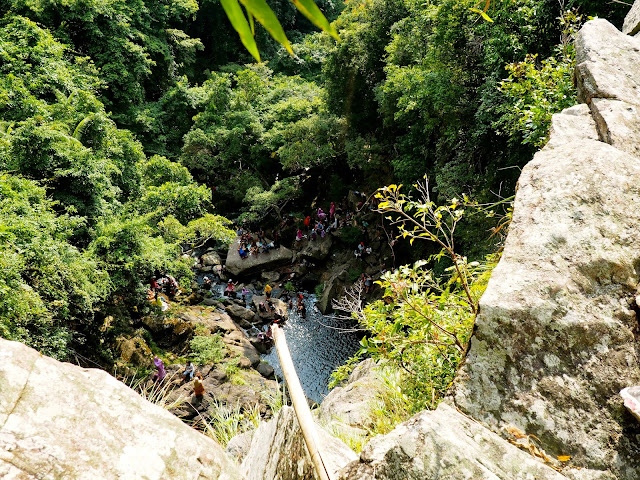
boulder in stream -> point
(255, 263)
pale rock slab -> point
(607, 63)
(631, 24)
(256, 263)
(278, 451)
(555, 337)
(573, 122)
(618, 124)
(446, 445)
(58, 420)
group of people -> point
(325, 223)
(188, 374)
(164, 284)
(362, 251)
(250, 245)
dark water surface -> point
(318, 343)
(316, 348)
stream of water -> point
(318, 345)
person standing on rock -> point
(267, 290)
(161, 373)
(155, 288)
(198, 386)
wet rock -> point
(265, 370)
(332, 289)
(243, 316)
(270, 277)
(631, 24)
(278, 451)
(269, 316)
(259, 345)
(444, 444)
(48, 409)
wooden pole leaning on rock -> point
(300, 405)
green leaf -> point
(310, 10)
(240, 24)
(252, 24)
(263, 13)
(482, 14)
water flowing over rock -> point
(62, 421)
(555, 339)
(446, 445)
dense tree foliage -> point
(80, 203)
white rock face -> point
(571, 123)
(632, 20)
(444, 445)
(60, 421)
(607, 63)
(278, 451)
(618, 124)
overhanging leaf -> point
(310, 10)
(239, 22)
(482, 14)
(263, 13)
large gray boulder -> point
(631, 24)
(256, 263)
(444, 445)
(349, 408)
(278, 451)
(58, 420)
(318, 249)
(607, 63)
(555, 338)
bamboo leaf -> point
(482, 14)
(252, 24)
(310, 10)
(239, 23)
(263, 13)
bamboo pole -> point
(299, 401)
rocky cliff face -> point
(557, 334)
(58, 420)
